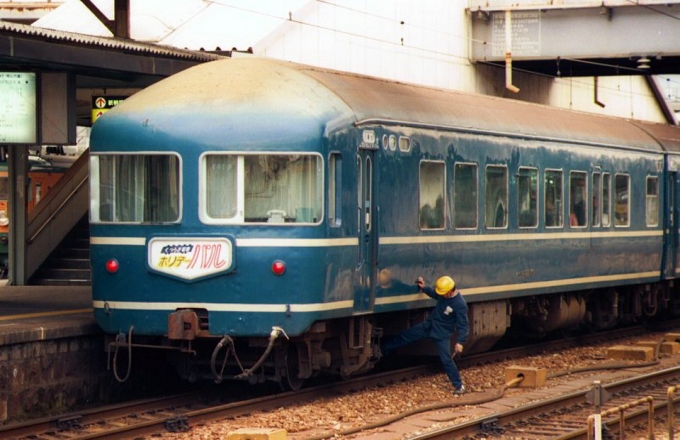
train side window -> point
(392, 142)
(465, 196)
(527, 188)
(432, 184)
(652, 205)
(496, 197)
(368, 197)
(622, 200)
(360, 191)
(597, 197)
(606, 200)
(404, 144)
(578, 197)
(334, 189)
(554, 189)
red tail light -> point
(112, 266)
(278, 267)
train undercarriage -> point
(350, 346)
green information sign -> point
(18, 114)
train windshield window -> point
(527, 188)
(578, 196)
(135, 188)
(622, 200)
(432, 184)
(496, 197)
(465, 196)
(553, 199)
(652, 205)
(261, 188)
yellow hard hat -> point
(444, 285)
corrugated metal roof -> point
(192, 24)
(106, 42)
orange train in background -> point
(42, 177)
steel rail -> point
(179, 412)
(476, 426)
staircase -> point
(69, 263)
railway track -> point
(181, 412)
(566, 416)
(177, 413)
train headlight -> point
(4, 221)
(112, 266)
(278, 267)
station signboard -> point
(18, 114)
(101, 104)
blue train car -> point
(264, 220)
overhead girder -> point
(570, 39)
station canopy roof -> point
(189, 24)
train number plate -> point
(190, 258)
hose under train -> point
(245, 373)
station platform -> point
(34, 313)
(52, 354)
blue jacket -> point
(449, 315)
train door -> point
(365, 276)
(671, 243)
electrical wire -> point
(436, 54)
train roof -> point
(234, 96)
(377, 99)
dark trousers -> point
(419, 332)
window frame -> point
(606, 205)
(584, 199)
(559, 211)
(239, 219)
(421, 206)
(476, 195)
(535, 191)
(95, 195)
(596, 215)
(628, 202)
(507, 198)
(655, 198)
(335, 189)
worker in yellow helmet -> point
(447, 316)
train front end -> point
(207, 219)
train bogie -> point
(270, 219)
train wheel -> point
(292, 382)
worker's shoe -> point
(459, 391)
